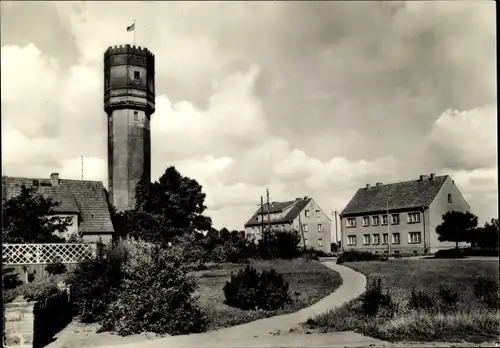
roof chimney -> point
(305, 197)
(423, 177)
(54, 178)
(378, 184)
(368, 186)
(297, 199)
(432, 176)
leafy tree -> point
(457, 227)
(141, 193)
(27, 218)
(225, 234)
(487, 236)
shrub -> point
(354, 255)
(373, 299)
(278, 244)
(56, 268)
(449, 254)
(420, 300)
(250, 290)
(33, 291)
(486, 289)
(448, 297)
(155, 296)
(10, 280)
(94, 282)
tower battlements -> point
(128, 49)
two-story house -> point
(400, 217)
(84, 201)
(302, 215)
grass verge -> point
(467, 320)
(309, 282)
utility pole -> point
(268, 212)
(302, 232)
(336, 228)
(262, 218)
(82, 168)
(388, 232)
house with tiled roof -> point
(302, 215)
(85, 201)
(401, 217)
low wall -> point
(33, 324)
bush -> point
(354, 255)
(448, 297)
(486, 290)
(94, 282)
(33, 291)
(278, 244)
(155, 296)
(250, 290)
(10, 280)
(56, 268)
(449, 254)
(420, 300)
(373, 299)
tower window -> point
(137, 75)
(450, 199)
(136, 116)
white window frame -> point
(373, 220)
(393, 238)
(320, 242)
(136, 116)
(392, 219)
(417, 240)
(320, 227)
(385, 238)
(351, 238)
(382, 219)
(350, 225)
(318, 214)
(366, 221)
(306, 241)
(376, 241)
(307, 213)
(365, 239)
(413, 221)
(304, 228)
(138, 73)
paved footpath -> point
(263, 332)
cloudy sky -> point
(308, 99)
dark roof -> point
(276, 207)
(86, 198)
(401, 195)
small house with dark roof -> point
(401, 217)
(85, 201)
(302, 215)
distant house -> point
(85, 201)
(415, 210)
(302, 214)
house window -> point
(306, 241)
(137, 75)
(395, 219)
(317, 214)
(375, 220)
(376, 239)
(366, 221)
(320, 228)
(307, 213)
(366, 239)
(414, 237)
(450, 200)
(385, 238)
(384, 219)
(136, 116)
(395, 238)
(304, 227)
(413, 218)
(320, 242)
(351, 240)
(351, 222)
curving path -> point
(262, 333)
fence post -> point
(37, 253)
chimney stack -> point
(54, 178)
(368, 186)
(433, 176)
(297, 199)
(378, 184)
(423, 177)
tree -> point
(457, 227)
(225, 234)
(27, 218)
(141, 193)
(487, 237)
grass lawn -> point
(468, 320)
(309, 282)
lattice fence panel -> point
(18, 254)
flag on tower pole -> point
(132, 28)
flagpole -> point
(134, 32)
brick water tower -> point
(129, 102)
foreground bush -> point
(32, 291)
(373, 299)
(449, 254)
(354, 255)
(155, 296)
(250, 290)
(486, 290)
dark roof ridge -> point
(406, 181)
